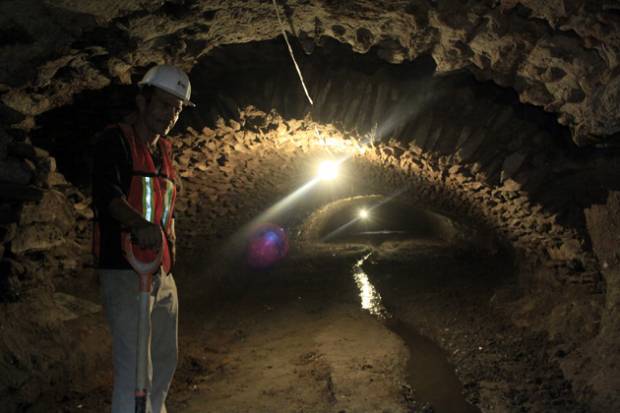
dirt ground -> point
(296, 338)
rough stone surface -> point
(53, 208)
(560, 55)
(4, 143)
(37, 238)
(223, 185)
(595, 364)
(218, 171)
(15, 171)
(240, 167)
(42, 241)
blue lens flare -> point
(267, 245)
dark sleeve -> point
(111, 168)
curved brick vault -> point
(476, 157)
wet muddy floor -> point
(400, 326)
(409, 326)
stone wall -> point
(44, 242)
(232, 171)
(44, 218)
(242, 167)
(562, 56)
(595, 364)
(235, 171)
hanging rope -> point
(290, 50)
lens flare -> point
(268, 245)
(363, 214)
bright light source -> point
(363, 214)
(327, 170)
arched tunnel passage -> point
(367, 217)
(297, 322)
(452, 115)
(354, 91)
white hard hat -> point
(170, 79)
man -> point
(134, 192)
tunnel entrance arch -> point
(467, 172)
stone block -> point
(568, 249)
(84, 210)
(71, 307)
(510, 185)
(471, 145)
(15, 171)
(22, 150)
(53, 208)
(603, 224)
(55, 179)
(512, 163)
(5, 139)
(37, 237)
(15, 192)
(45, 168)
(7, 213)
(8, 232)
(464, 135)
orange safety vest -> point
(152, 193)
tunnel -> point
(458, 254)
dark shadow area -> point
(355, 90)
(69, 132)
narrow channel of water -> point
(429, 373)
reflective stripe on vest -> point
(147, 197)
(149, 200)
(168, 202)
(152, 193)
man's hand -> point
(146, 235)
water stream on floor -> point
(429, 373)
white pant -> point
(120, 297)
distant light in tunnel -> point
(328, 170)
(341, 228)
(363, 213)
